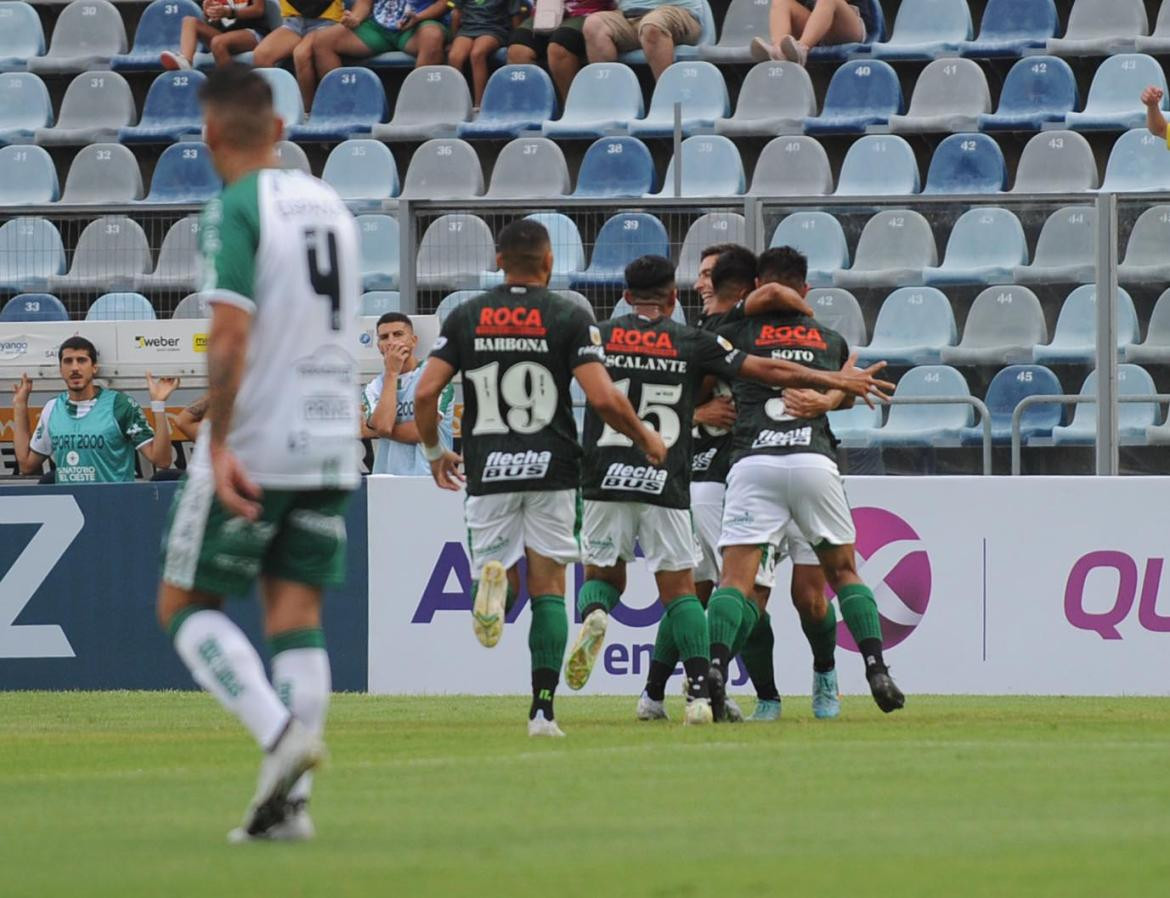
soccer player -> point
(276, 460)
(660, 364)
(90, 432)
(388, 403)
(784, 470)
(518, 347)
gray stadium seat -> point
(286, 96)
(879, 165)
(31, 252)
(912, 327)
(362, 171)
(1066, 250)
(432, 101)
(1056, 162)
(530, 167)
(711, 167)
(950, 95)
(894, 249)
(379, 247)
(985, 247)
(1101, 28)
(1114, 102)
(193, 305)
(379, 302)
(745, 19)
(1146, 259)
(1074, 342)
(179, 260)
(105, 173)
(95, 106)
(700, 90)
(839, 310)
(1003, 327)
(455, 251)
(111, 252)
(925, 29)
(707, 230)
(603, 99)
(1134, 419)
(443, 169)
(1156, 348)
(776, 98)
(792, 166)
(291, 155)
(822, 240)
(27, 177)
(1138, 163)
(927, 425)
(88, 34)
(1157, 43)
(26, 109)
(120, 307)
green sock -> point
(749, 617)
(822, 639)
(724, 615)
(665, 647)
(757, 658)
(859, 610)
(597, 594)
(688, 624)
(549, 632)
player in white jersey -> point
(275, 465)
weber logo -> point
(634, 478)
(167, 343)
(516, 466)
(781, 439)
(704, 460)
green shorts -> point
(384, 40)
(300, 536)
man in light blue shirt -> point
(388, 402)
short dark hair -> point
(78, 343)
(736, 266)
(783, 265)
(650, 278)
(243, 98)
(718, 249)
(523, 244)
(395, 318)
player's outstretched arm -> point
(158, 451)
(849, 380)
(773, 298)
(615, 410)
(227, 347)
(27, 460)
(1155, 120)
(444, 463)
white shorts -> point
(765, 493)
(795, 547)
(707, 512)
(501, 526)
(611, 529)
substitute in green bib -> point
(91, 432)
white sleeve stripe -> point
(231, 298)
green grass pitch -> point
(131, 794)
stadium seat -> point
(518, 99)
(894, 249)
(1056, 162)
(1075, 340)
(452, 301)
(1039, 90)
(862, 93)
(950, 95)
(985, 247)
(967, 163)
(820, 237)
(379, 302)
(1133, 418)
(603, 98)
(855, 427)
(879, 165)
(1114, 102)
(1004, 325)
(682, 52)
(913, 325)
(95, 106)
(1012, 27)
(443, 169)
(31, 252)
(27, 177)
(530, 167)
(616, 167)
(349, 101)
(1157, 43)
(293, 156)
(110, 253)
(194, 305)
(1101, 28)
(1066, 250)
(26, 108)
(21, 36)
(1145, 260)
(776, 98)
(432, 102)
(792, 166)
(744, 20)
(286, 96)
(88, 34)
(455, 253)
(179, 260)
(171, 111)
(621, 307)
(120, 307)
(875, 30)
(184, 174)
(103, 173)
(362, 171)
(1138, 163)
(1156, 348)
(623, 238)
(1009, 388)
(924, 29)
(698, 87)
(927, 425)
(568, 250)
(158, 30)
(711, 167)
(838, 310)
(34, 307)
(379, 245)
(707, 230)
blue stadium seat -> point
(158, 30)
(1146, 260)
(623, 238)
(1075, 340)
(862, 93)
(26, 108)
(701, 90)
(1056, 162)
(603, 98)
(875, 30)
(179, 260)
(949, 95)
(1066, 249)
(1139, 163)
(927, 425)
(443, 169)
(1101, 28)
(1004, 325)
(88, 34)
(1114, 102)
(967, 163)
(616, 167)
(379, 302)
(110, 253)
(31, 252)
(286, 96)
(855, 427)
(711, 166)
(913, 325)
(567, 246)
(879, 165)
(896, 246)
(792, 166)
(707, 230)
(822, 240)
(21, 36)
(1012, 27)
(27, 177)
(985, 247)
(95, 106)
(362, 171)
(682, 52)
(924, 29)
(776, 98)
(379, 245)
(1133, 418)
(171, 111)
(1156, 347)
(530, 168)
(349, 101)
(121, 307)
(184, 174)
(519, 98)
(455, 252)
(1039, 90)
(34, 307)
(745, 20)
(621, 307)
(838, 309)
(432, 101)
(1009, 388)
(103, 174)
(1157, 43)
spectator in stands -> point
(1155, 120)
(658, 26)
(388, 403)
(90, 432)
(796, 26)
(563, 49)
(229, 28)
(480, 27)
(302, 20)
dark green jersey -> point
(762, 426)
(517, 348)
(659, 364)
(711, 453)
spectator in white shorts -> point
(657, 26)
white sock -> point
(304, 683)
(224, 663)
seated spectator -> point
(229, 28)
(563, 49)
(658, 26)
(796, 26)
(480, 27)
(302, 20)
